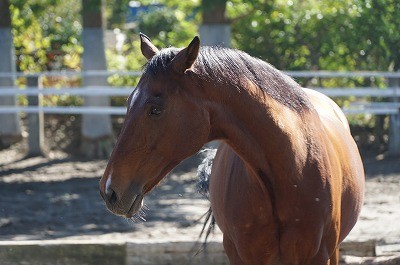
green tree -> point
(167, 26)
(116, 12)
(46, 34)
(376, 34)
(30, 43)
(329, 35)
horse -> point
(287, 181)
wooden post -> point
(35, 121)
(394, 122)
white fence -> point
(391, 93)
(389, 106)
(37, 90)
(383, 108)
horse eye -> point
(155, 111)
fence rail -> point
(71, 91)
(72, 73)
(64, 110)
(339, 74)
(390, 95)
(367, 108)
(125, 91)
(359, 108)
(370, 108)
(362, 92)
(324, 74)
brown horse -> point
(287, 181)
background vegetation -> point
(340, 35)
(292, 34)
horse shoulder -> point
(344, 158)
(319, 211)
(242, 207)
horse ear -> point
(186, 57)
(148, 49)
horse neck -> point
(263, 132)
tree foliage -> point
(46, 34)
(330, 35)
(291, 34)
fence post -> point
(10, 129)
(215, 34)
(394, 122)
(35, 120)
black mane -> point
(230, 66)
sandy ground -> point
(58, 198)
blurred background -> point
(67, 67)
(95, 43)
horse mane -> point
(232, 67)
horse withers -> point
(287, 181)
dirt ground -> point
(57, 198)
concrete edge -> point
(95, 252)
(138, 252)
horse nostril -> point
(113, 198)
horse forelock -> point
(160, 62)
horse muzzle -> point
(126, 205)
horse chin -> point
(138, 200)
(135, 207)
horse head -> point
(165, 123)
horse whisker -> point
(140, 216)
